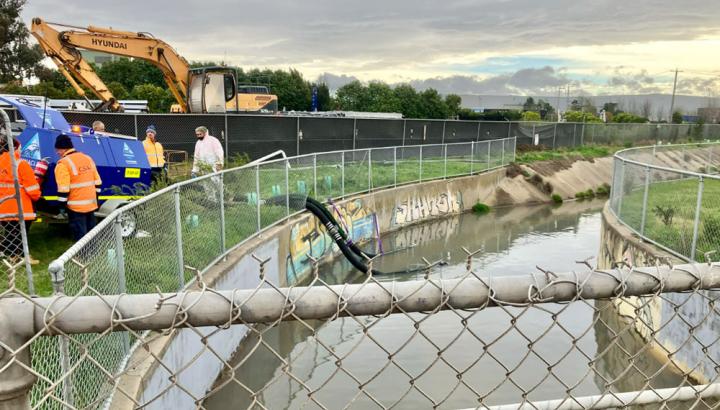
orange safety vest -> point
(78, 181)
(29, 190)
(154, 153)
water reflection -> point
(488, 357)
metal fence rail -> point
(670, 196)
(641, 342)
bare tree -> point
(660, 113)
(646, 109)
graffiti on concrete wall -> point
(419, 208)
(309, 238)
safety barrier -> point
(670, 196)
(557, 340)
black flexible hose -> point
(342, 233)
(332, 230)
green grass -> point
(681, 197)
(584, 152)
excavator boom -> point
(62, 47)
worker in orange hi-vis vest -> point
(154, 151)
(78, 184)
(11, 241)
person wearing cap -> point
(154, 151)
(11, 242)
(78, 185)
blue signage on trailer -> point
(121, 160)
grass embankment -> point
(527, 155)
(670, 213)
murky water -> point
(496, 354)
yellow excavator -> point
(196, 90)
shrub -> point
(536, 179)
(580, 195)
(548, 188)
(603, 190)
(556, 198)
(665, 214)
(589, 194)
(480, 208)
(628, 144)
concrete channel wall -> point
(287, 247)
(663, 323)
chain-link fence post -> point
(57, 277)
(287, 186)
(696, 223)
(222, 212)
(514, 150)
(342, 175)
(442, 141)
(369, 156)
(135, 119)
(395, 166)
(489, 143)
(178, 237)
(257, 196)
(122, 281)
(582, 135)
(298, 136)
(472, 156)
(18, 199)
(420, 160)
(621, 188)
(315, 191)
(445, 161)
(554, 135)
(355, 132)
(502, 154)
(404, 127)
(645, 200)
(227, 139)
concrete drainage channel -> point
(285, 253)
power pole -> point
(672, 101)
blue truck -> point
(121, 160)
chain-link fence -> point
(669, 195)
(258, 135)
(624, 337)
(156, 243)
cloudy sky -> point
(462, 46)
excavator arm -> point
(62, 47)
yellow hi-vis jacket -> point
(154, 153)
(78, 181)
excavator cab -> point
(211, 88)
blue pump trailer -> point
(121, 160)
